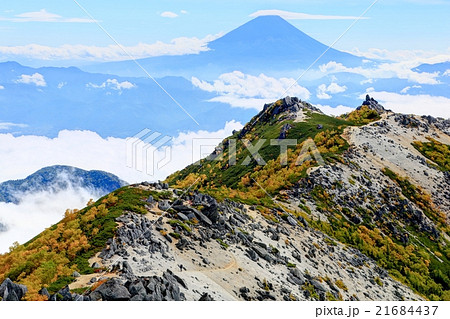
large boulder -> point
(10, 291)
(211, 212)
(202, 217)
(163, 205)
(113, 290)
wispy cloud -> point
(413, 57)
(178, 46)
(2, 87)
(249, 91)
(169, 14)
(406, 89)
(400, 70)
(8, 126)
(36, 79)
(290, 15)
(44, 16)
(113, 84)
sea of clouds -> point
(24, 155)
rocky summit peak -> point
(289, 105)
(373, 105)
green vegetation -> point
(175, 223)
(161, 195)
(81, 291)
(312, 291)
(435, 151)
(330, 297)
(49, 259)
(244, 182)
(378, 281)
(222, 243)
(305, 208)
(340, 284)
(175, 235)
(60, 284)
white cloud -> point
(446, 73)
(178, 46)
(401, 70)
(184, 12)
(61, 85)
(368, 81)
(169, 14)
(36, 212)
(2, 87)
(406, 89)
(23, 155)
(437, 106)
(335, 111)
(113, 84)
(36, 79)
(248, 91)
(44, 16)
(413, 57)
(289, 15)
(333, 88)
(321, 92)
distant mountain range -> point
(59, 178)
(266, 44)
(109, 105)
(121, 100)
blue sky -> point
(391, 24)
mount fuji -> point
(267, 44)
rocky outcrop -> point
(65, 295)
(155, 288)
(424, 124)
(373, 105)
(284, 131)
(10, 291)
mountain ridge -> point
(370, 222)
